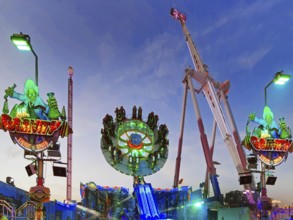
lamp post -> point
(279, 78)
(23, 42)
(40, 193)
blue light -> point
(136, 139)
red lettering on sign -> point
(30, 126)
(54, 125)
(269, 144)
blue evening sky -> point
(130, 52)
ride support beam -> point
(180, 142)
(204, 140)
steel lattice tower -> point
(69, 139)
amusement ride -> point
(270, 145)
(138, 147)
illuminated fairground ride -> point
(137, 148)
(271, 151)
(216, 95)
(35, 126)
(270, 145)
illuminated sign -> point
(34, 134)
(43, 145)
(269, 144)
(272, 161)
(33, 124)
(271, 151)
(30, 126)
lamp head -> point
(281, 78)
(10, 180)
(21, 41)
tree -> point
(235, 199)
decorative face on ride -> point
(32, 95)
(31, 91)
(136, 139)
(268, 116)
(133, 146)
(33, 124)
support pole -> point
(178, 159)
(40, 183)
(266, 92)
(263, 181)
(206, 190)
(40, 178)
(36, 68)
(69, 139)
(204, 142)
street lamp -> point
(279, 78)
(23, 42)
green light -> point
(141, 126)
(134, 153)
(24, 48)
(198, 204)
(21, 41)
(281, 78)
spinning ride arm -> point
(196, 59)
(209, 86)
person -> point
(2, 216)
(32, 105)
(268, 125)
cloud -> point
(241, 11)
(249, 59)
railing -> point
(7, 209)
(27, 209)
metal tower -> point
(215, 94)
(69, 139)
